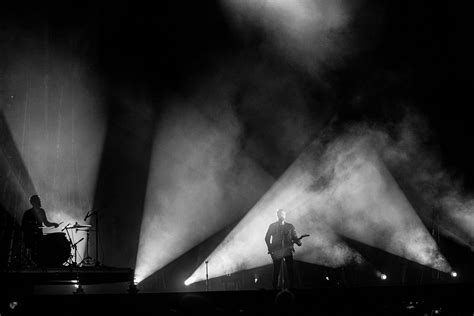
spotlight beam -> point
(349, 188)
(14, 167)
(199, 182)
(56, 122)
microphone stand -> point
(207, 276)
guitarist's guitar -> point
(282, 252)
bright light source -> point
(327, 278)
(454, 274)
(188, 281)
(296, 27)
(13, 305)
(76, 286)
(383, 276)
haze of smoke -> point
(436, 195)
(57, 122)
(275, 103)
(244, 247)
(324, 246)
(203, 176)
(200, 181)
(367, 204)
(312, 33)
(343, 185)
(440, 198)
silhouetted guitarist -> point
(280, 238)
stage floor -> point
(440, 299)
(67, 275)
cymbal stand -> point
(70, 241)
(88, 259)
(75, 251)
(73, 245)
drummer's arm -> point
(45, 220)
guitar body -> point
(280, 253)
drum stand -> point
(75, 251)
(73, 246)
(70, 241)
(88, 261)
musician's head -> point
(35, 201)
(281, 214)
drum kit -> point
(56, 248)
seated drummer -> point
(33, 219)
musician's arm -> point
(294, 237)
(268, 235)
(45, 221)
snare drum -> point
(54, 250)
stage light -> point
(255, 278)
(187, 282)
(79, 289)
(327, 278)
(13, 304)
(381, 275)
(454, 274)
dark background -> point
(417, 52)
(411, 52)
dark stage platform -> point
(65, 275)
(435, 299)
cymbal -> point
(78, 226)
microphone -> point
(87, 216)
